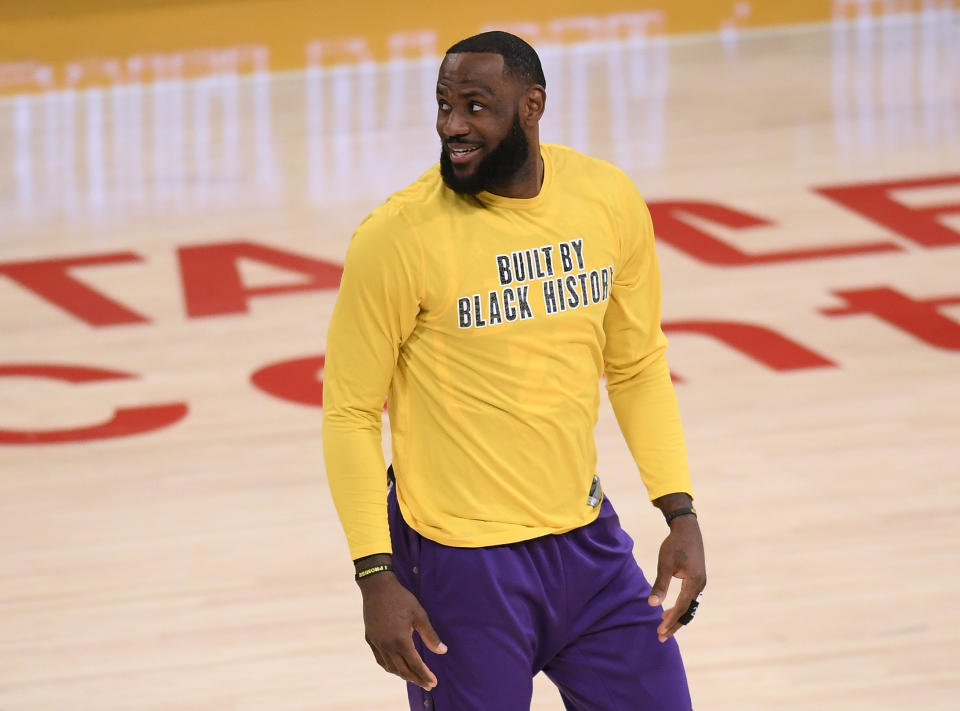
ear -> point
(532, 104)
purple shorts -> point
(573, 606)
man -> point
(484, 302)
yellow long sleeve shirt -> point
(486, 323)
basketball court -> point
(170, 251)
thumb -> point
(421, 623)
(660, 585)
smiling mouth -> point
(461, 154)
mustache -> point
(446, 145)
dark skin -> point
(476, 105)
(390, 615)
(681, 556)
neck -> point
(527, 181)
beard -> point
(499, 166)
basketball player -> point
(484, 302)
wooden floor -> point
(199, 565)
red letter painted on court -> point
(919, 318)
(125, 421)
(671, 226)
(212, 285)
(759, 343)
(920, 224)
(297, 380)
(50, 279)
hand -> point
(390, 615)
(681, 556)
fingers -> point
(419, 673)
(400, 657)
(377, 656)
(421, 623)
(669, 624)
(689, 590)
(664, 574)
(404, 661)
(415, 672)
(668, 628)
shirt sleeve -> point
(376, 310)
(638, 378)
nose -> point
(452, 125)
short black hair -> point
(519, 58)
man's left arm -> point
(645, 403)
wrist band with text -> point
(385, 567)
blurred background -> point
(178, 185)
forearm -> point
(670, 503)
(358, 484)
(649, 417)
(371, 561)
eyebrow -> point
(479, 89)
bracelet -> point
(384, 568)
(680, 512)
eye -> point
(474, 106)
(443, 105)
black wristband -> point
(686, 510)
(368, 558)
(367, 572)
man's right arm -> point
(376, 310)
